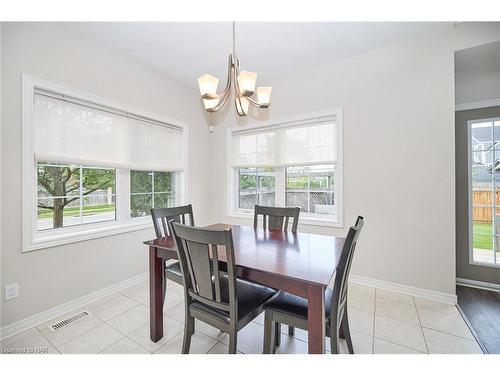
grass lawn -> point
(44, 213)
(483, 236)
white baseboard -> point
(478, 284)
(37, 319)
(404, 289)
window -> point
(256, 186)
(311, 188)
(74, 195)
(484, 177)
(292, 164)
(92, 168)
(150, 189)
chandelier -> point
(241, 82)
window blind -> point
(302, 143)
(76, 132)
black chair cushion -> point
(294, 305)
(174, 269)
(250, 297)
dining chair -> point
(161, 218)
(217, 298)
(277, 218)
(292, 310)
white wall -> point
(54, 276)
(477, 86)
(398, 107)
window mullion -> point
(309, 191)
(493, 188)
(173, 190)
(257, 185)
(81, 195)
(236, 189)
(123, 195)
(280, 187)
(152, 189)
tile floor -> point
(381, 322)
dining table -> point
(299, 263)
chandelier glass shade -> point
(241, 83)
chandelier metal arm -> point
(236, 72)
(222, 101)
(255, 103)
(225, 94)
(228, 83)
(237, 93)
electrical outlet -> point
(11, 291)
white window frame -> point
(237, 188)
(175, 185)
(35, 240)
(80, 195)
(493, 207)
(337, 220)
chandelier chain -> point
(234, 38)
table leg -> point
(156, 276)
(316, 319)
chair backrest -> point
(276, 218)
(197, 248)
(162, 216)
(343, 269)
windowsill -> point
(58, 239)
(331, 222)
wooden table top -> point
(302, 256)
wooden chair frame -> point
(276, 218)
(199, 256)
(165, 215)
(338, 317)
(161, 221)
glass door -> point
(484, 191)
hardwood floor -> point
(482, 309)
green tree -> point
(63, 184)
(247, 181)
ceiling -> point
(186, 50)
(483, 58)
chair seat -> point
(250, 297)
(174, 269)
(291, 304)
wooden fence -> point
(484, 198)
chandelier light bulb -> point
(246, 82)
(264, 96)
(210, 104)
(208, 86)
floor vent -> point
(67, 321)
